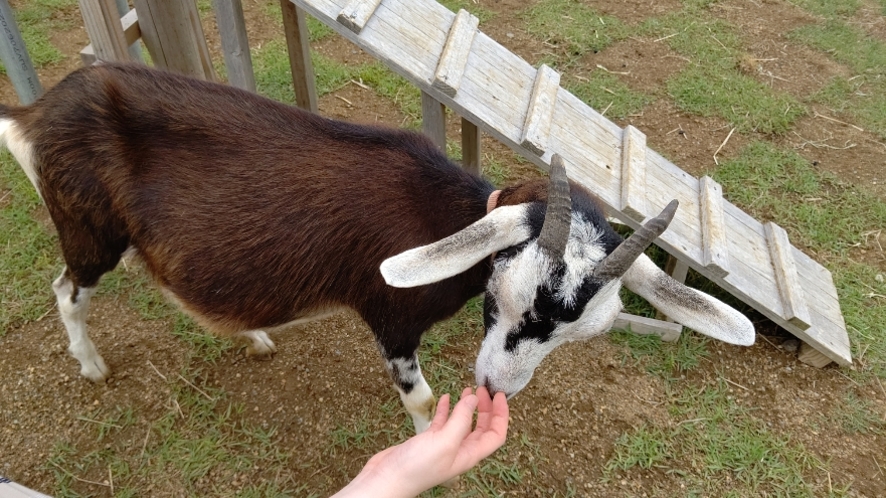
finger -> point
(441, 415)
(484, 409)
(466, 392)
(459, 424)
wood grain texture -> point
(787, 279)
(172, 32)
(235, 43)
(470, 146)
(102, 21)
(300, 64)
(356, 14)
(451, 68)
(633, 174)
(540, 112)
(433, 120)
(713, 231)
(668, 331)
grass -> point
(661, 358)
(201, 444)
(713, 84)
(714, 446)
(479, 12)
(573, 27)
(36, 20)
(606, 93)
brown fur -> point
(249, 212)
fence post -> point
(135, 50)
(16, 59)
(102, 21)
(433, 120)
(235, 44)
(470, 146)
(172, 32)
(296, 29)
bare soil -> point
(328, 374)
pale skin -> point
(451, 446)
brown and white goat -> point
(251, 214)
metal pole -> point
(16, 59)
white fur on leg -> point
(73, 314)
(262, 345)
(419, 401)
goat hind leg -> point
(73, 306)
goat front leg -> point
(416, 394)
(261, 345)
(73, 305)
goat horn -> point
(558, 217)
(618, 261)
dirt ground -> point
(580, 399)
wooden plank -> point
(713, 231)
(669, 332)
(812, 356)
(633, 174)
(135, 46)
(537, 126)
(793, 301)
(454, 58)
(235, 43)
(172, 32)
(433, 120)
(102, 21)
(131, 33)
(470, 147)
(296, 29)
(356, 14)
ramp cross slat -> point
(709, 234)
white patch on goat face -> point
(23, 150)
(527, 286)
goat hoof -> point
(95, 370)
(262, 345)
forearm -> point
(370, 484)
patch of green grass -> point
(719, 446)
(317, 31)
(661, 358)
(471, 6)
(200, 443)
(712, 84)
(846, 44)
(605, 92)
(574, 26)
(29, 255)
(829, 8)
(36, 19)
(393, 86)
(856, 415)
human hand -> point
(447, 449)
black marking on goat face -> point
(548, 311)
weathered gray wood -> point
(812, 356)
(451, 68)
(433, 120)
(15, 58)
(470, 146)
(633, 174)
(102, 21)
(235, 43)
(131, 33)
(135, 46)
(409, 35)
(787, 279)
(297, 43)
(713, 231)
(356, 14)
(669, 332)
(172, 32)
(540, 113)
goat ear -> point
(503, 227)
(688, 306)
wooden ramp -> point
(455, 64)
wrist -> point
(375, 483)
